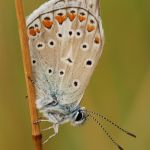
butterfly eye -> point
(76, 84)
(88, 63)
(51, 43)
(79, 116)
(85, 47)
(40, 45)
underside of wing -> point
(66, 41)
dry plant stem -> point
(37, 138)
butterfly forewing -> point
(65, 42)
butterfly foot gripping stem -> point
(30, 79)
(40, 120)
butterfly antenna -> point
(106, 132)
(112, 123)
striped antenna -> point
(106, 132)
(112, 123)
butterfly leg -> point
(55, 127)
(51, 127)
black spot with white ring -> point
(51, 43)
(71, 33)
(36, 25)
(89, 63)
(50, 71)
(61, 73)
(78, 33)
(76, 84)
(33, 61)
(92, 21)
(59, 35)
(40, 45)
(85, 46)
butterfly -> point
(66, 40)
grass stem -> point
(37, 137)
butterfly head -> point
(79, 116)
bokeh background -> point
(120, 86)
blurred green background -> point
(120, 86)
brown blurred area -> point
(119, 87)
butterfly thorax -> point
(59, 114)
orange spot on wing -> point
(32, 32)
(38, 30)
(81, 18)
(90, 28)
(71, 16)
(61, 19)
(97, 40)
(47, 23)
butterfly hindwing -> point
(65, 41)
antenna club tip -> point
(120, 147)
(131, 134)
